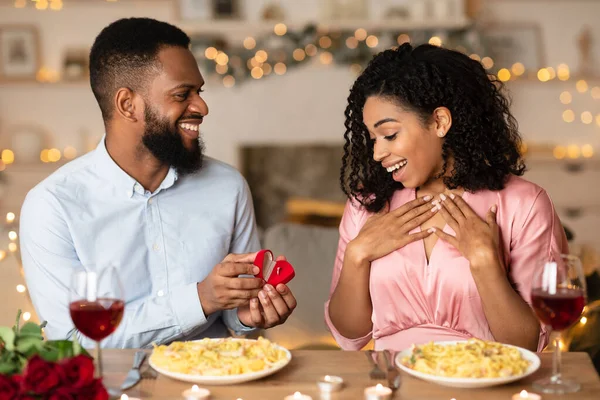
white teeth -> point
(397, 166)
(190, 127)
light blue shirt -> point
(91, 213)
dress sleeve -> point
(541, 235)
(348, 231)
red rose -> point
(62, 393)
(94, 391)
(40, 376)
(9, 387)
(77, 372)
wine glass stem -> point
(98, 360)
(556, 374)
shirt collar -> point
(109, 168)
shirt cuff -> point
(187, 308)
(232, 321)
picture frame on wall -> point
(19, 53)
(510, 43)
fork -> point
(376, 372)
(393, 375)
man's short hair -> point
(125, 53)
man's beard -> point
(166, 144)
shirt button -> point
(160, 293)
(155, 247)
(150, 201)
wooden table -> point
(307, 366)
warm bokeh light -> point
(222, 58)
(228, 81)
(551, 72)
(475, 57)
(587, 117)
(573, 151)
(221, 69)
(280, 68)
(351, 42)
(261, 56)
(257, 72)
(360, 34)
(543, 75)
(211, 53)
(487, 62)
(325, 42)
(7, 156)
(504, 75)
(21, 288)
(563, 72)
(54, 155)
(372, 41)
(435, 40)
(20, 3)
(249, 43)
(581, 86)
(403, 38)
(44, 156)
(26, 316)
(56, 5)
(12, 235)
(2, 255)
(12, 247)
(41, 4)
(326, 58)
(280, 29)
(267, 69)
(518, 69)
(583, 320)
(70, 152)
(587, 150)
(311, 50)
(559, 152)
(10, 217)
(566, 98)
(299, 54)
(568, 116)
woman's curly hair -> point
(483, 140)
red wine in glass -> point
(558, 296)
(559, 310)
(97, 319)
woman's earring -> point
(441, 133)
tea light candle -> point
(378, 392)
(525, 395)
(196, 393)
(125, 397)
(298, 396)
(330, 383)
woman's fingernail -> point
(439, 206)
(431, 230)
(262, 295)
(254, 303)
(442, 196)
(427, 198)
(452, 196)
(494, 208)
(435, 208)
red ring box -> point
(272, 271)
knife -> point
(393, 375)
(134, 376)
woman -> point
(440, 237)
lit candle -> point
(297, 396)
(196, 393)
(330, 383)
(525, 395)
(125, 397)
(378, 392)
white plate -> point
(226, 379)
(469, 382)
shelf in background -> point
(249, 28)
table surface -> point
(306, 366)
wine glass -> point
(96, 305)
(558, 296)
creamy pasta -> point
(218, 357)
(470, 359)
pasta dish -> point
(470, 359)
(218, 357)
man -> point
(178, 227)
